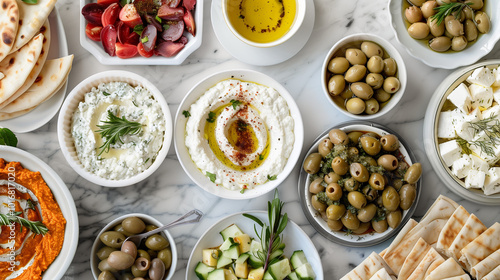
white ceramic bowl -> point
(352, 240)
(180, 127)
(96, 49)
(66, 116)
(63, 197)
(297, 23)
(447, 60)
(389, 49)
(431, 141)
(94, 260)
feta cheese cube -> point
(478, 163)
(445, 125)
(462, 166)
(496, 73)
(461, 124)
(496, 95)
(482, 97)
(492, 158)
(461, 98)
(475, 179)
(492, 111)
(492, 181)
(482, 76)
(450, 151)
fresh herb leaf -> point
(242, 191)
(235, 103)
(146, 161)
(30, 1)
(135, 104)
(158, 19)
(447, 9)
(7, 137)
(106, 93)
(211, 176)
(272, 178)
(166, 26)
(114, 128)
(145, 39)
(186, 114)
(36, 227)
(261, 157)
(138, 29)
(211, 117)
(30, 204)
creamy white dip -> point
(138, 151)
(256, 109)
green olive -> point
(355, 56)
(374, 80)
(367, 213)
(331, 178)
(133, 225)
(150, 228)
(312, 163)
(370, 145)
(130, 248)
(354, 136)
(377, 181)
(333, 191)
(394, 218)
(483, 22)
(372, 106)
(469, 13)
(335, 225)
(359, 172)
(355, 73)
(435, 29)
(157, 270)
(120, 260)
(440, 44)
(335, 212)
(350, 220)
(317, 204)
(390, 67)
(418, 30)
(407, 195)
(375, 64)
(470, 30)
(338, 137)
(104, 266)
(338, 65)
(371, 49)
(157, 242)
(389, 142)
(363, 227)
(391, 84)
(143, 254)
(413, 14)
(129, 276)
(138, 272)
(417, 2)
(370, 193)
(355, 106)
(353, 151)
(381, 95)
(356, 199)
(336, 85)
(397, 184)
(104, 252)
(142, 264)
(362, 90)
(379, 226)
(119, 228)
(388, 162)
(112, 239)
(413, 173)
(458, 43)
(351, 185)
(315, 187)
(428, 9)
(453, 26)
(475, 4)
(325, 147)
(340, 166)
(152, 253)
(165, 256)
(106, 275)
(390, 199)
(370, 161)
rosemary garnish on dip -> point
(36, 227)
(450, 8)
(114, 128)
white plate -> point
(447, 60)
(63, 197)
(261, 56)
(96, 49)
(47, 110)
(293, 237)
(180, 127)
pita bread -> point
(493, 275)
(481, 247)
(45, 30)
(382, 274)
(413, 259)
(17, 66)
(367, 268)
(8, 116)
(430, 262)
(449, 268)
(461, 277)
(52, 77)
(441, 209)
(9, 18)
(451, 229)
(486, 266)
(473, 228)
(31, 19)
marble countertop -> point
(169, 192)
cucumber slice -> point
(233, 252)
(202, 270)
(267, 276)
(305, 272)
(280, 269)
(217, 274)
(223, 261)
(226, 244)
(276, 254)
(298, 259)
(253, 261)
(231, 231)
(293, 276)
(242, 258)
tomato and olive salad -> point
(145, 27)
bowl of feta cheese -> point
(115, 128)
(462, 132)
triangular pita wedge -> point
(430, 261)
(52, 77)
(473, 228)
(31, 19)
(461, 277)
(481, 247)
(414, 258)
(17, 66)
(367, 268)
(493, 275)
(9, 18)
(449, 268)
(441, 209)
(382, 274)
(45, 30)
(8, 116)
(451, 229)
(486, 266)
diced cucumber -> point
(242, 258)
(280, 269)
(223, 261)
(293, 276)
(305, 272)
(226, 244)
(276, 254)
(217, 274)
(244, 240)
(231, 231)
(202, 270)
(256, 274)
(233, 252)
(298, 259)
(253, 261)
(267, 276)
(210, 256)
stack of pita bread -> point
(27, 78)
(445, 242)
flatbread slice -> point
(451, 229)
(449, 268)
(493, 275)
(429, 263)
(31, 19)
(17, 66)
(52, 77)
(8, 116)
(486, 266)
(461, 277)
(9, 18)
(367, 268)
(473, 228)
(413, 259)
(481, 247)
(382, 274)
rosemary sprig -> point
(447, 9)
(270, 234)
(36, 227)
(114, 128)
(491, 128)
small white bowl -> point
(66, 116)
(180, 131)
(94, 260)
(447, 60)
(389, 49)
(297, 23)
(431, 140)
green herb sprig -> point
(36, 227)
(7, 137)
(491, 128)
(114, 128)
(447, 9)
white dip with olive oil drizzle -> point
(240, 134)
(136, 152)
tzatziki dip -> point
(123, 151)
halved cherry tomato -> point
(133, 38)
(123, 32)
(107, 2)
(189, 4)
(126, 50)
(130, 16)
(110, 14)
(189, 21)
(108, 39)
(93, 31)
(92, 12)
(143, 52)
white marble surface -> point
(170, 193)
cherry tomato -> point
(189, 4)
(143, 52)
(133, 38)
(123, 32)
(189, 21)
(130, 16)
(107, 2)
(110, 14)
(93, 31)
(126, 50)
(92, 12)
(108, 39)
(148, 37)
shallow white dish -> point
(66, 116)
(43, 113)
(353, 240)
(293, 237)
(447, 60)
(261, 56)
(431, 141)
(180, 127)
(96, 49)
(66, 203)
(94, 260)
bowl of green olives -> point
(363, 76)
(112, 258)
(360, 183)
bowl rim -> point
(430, 137)
(97, 242)
(66, 140)
(179, 133)
(311, 214)
(390, 50)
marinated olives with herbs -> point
(364, 191)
